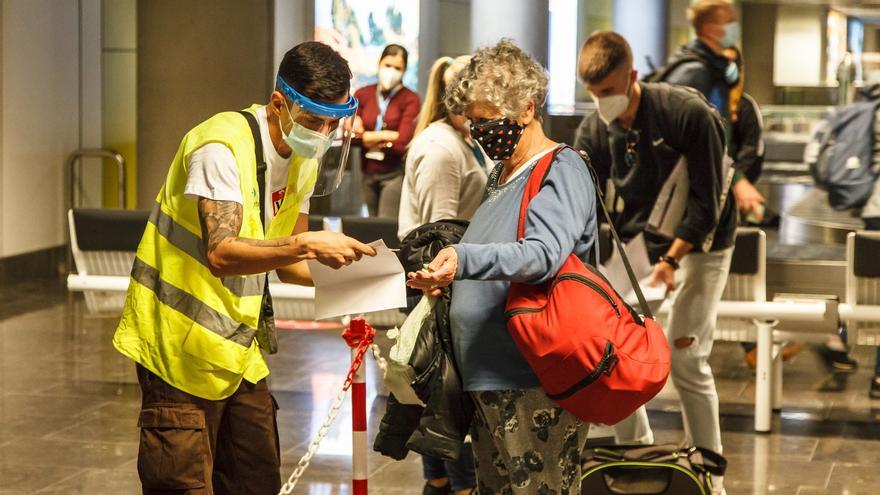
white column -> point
(643, 24)
(524, 21)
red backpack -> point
(594, 355)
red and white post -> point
(358, 330)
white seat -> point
(104, 246)
(863, 284)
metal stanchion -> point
(764, 376)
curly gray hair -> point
(503, 76)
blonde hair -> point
(503, 76)
(702, 12)
(442, 72)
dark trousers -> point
(195, 446)
(382, 193)
(460, 473)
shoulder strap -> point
(261, 162)
(266, 325)
(536, 181)
(711, 461)
(663, 72)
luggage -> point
(593, 354)
(652, 470)
(841, 154)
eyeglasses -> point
(631, 154)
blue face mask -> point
(731, 35)
(731, 74)
(305, 142)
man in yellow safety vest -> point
(198, 312)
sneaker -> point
(874, 393)
(838, 360)
(789, 350)
(435, 490)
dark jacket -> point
(706, 75)
(747, 139)
(438, 429)
(671, 122)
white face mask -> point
(611, 107)
(389, 77)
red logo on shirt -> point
(277, 199)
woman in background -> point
(386, 120)
(445, 179)
(445, 169)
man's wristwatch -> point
(671, 261)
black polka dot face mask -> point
(497, 137)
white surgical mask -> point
(305, 142)
(389, 77)
(611, 107)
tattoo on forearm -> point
(221, 220)
(266, 243)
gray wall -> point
(192, 63)
(758, 33)
(524, 21)
(48, 112)
(294, 23)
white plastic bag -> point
(398, 375)
(409, 331)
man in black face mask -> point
(636, 138)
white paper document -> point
(375, 283)
(615, 272)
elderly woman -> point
(523, 442)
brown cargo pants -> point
(195, 446)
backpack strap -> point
(266, 335)
(662, 73)
(536, 181)
(261, 162)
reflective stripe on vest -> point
(192, 245)
(191, 307)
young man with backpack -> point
(702, 64)
(636, 138)
(844, 159)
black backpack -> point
(661, 73)
(650, 470)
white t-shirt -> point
(213, 173)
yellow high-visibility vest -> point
(192, 329)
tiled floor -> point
(68, 407)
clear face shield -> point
(320, 136)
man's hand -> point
(748, 198)
(331, 248)
(439, 273)
(663, 273)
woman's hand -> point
(378, 139)
(357, 127)
(438, 274)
